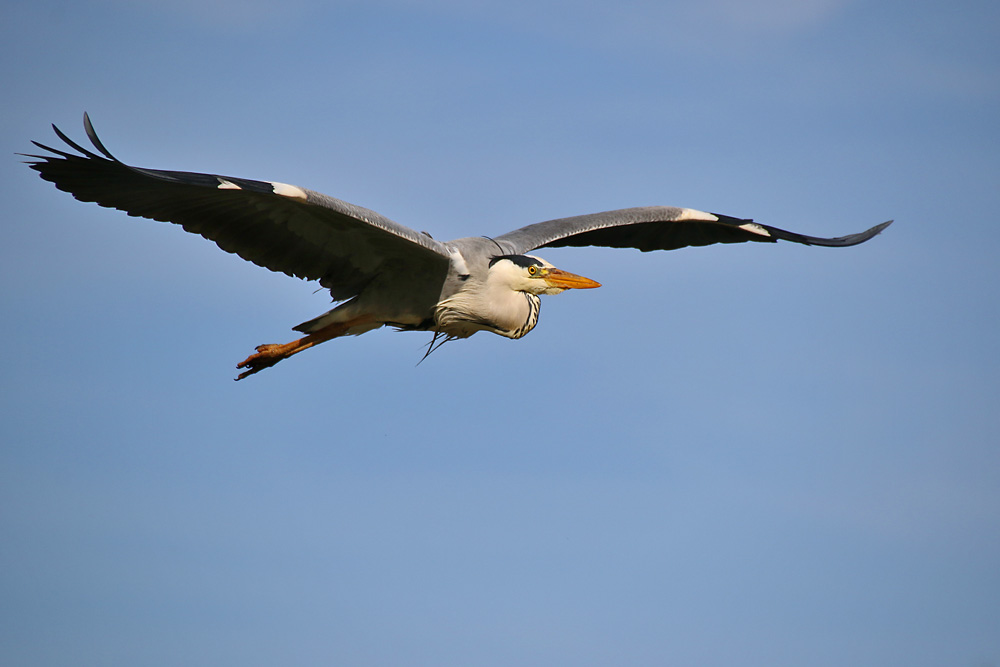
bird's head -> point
(525, 273)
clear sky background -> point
(752, 455)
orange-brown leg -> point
(270, 354)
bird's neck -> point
(490, 306)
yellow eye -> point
(532, 270)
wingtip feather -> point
(72, 144)
(94, 139)
(873, 232)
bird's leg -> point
(270, 354)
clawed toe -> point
(265, 357)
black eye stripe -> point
(521, 260)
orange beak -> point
(567, 280)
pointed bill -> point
(567, 280)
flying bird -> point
(382, 273)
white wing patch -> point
(691, 214)
(286, 190)
(227, 185)
(755, 228)
(458, 262)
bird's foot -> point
(268, 355)
(265, 357)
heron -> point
(379, 272)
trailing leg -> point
(270, 354)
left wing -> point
(659, 228)
(278, 226)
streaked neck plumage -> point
(492, 305)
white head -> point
(525, 273)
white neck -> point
(490, 306)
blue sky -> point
(754, 455)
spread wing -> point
(659, 228)
(281, 227)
